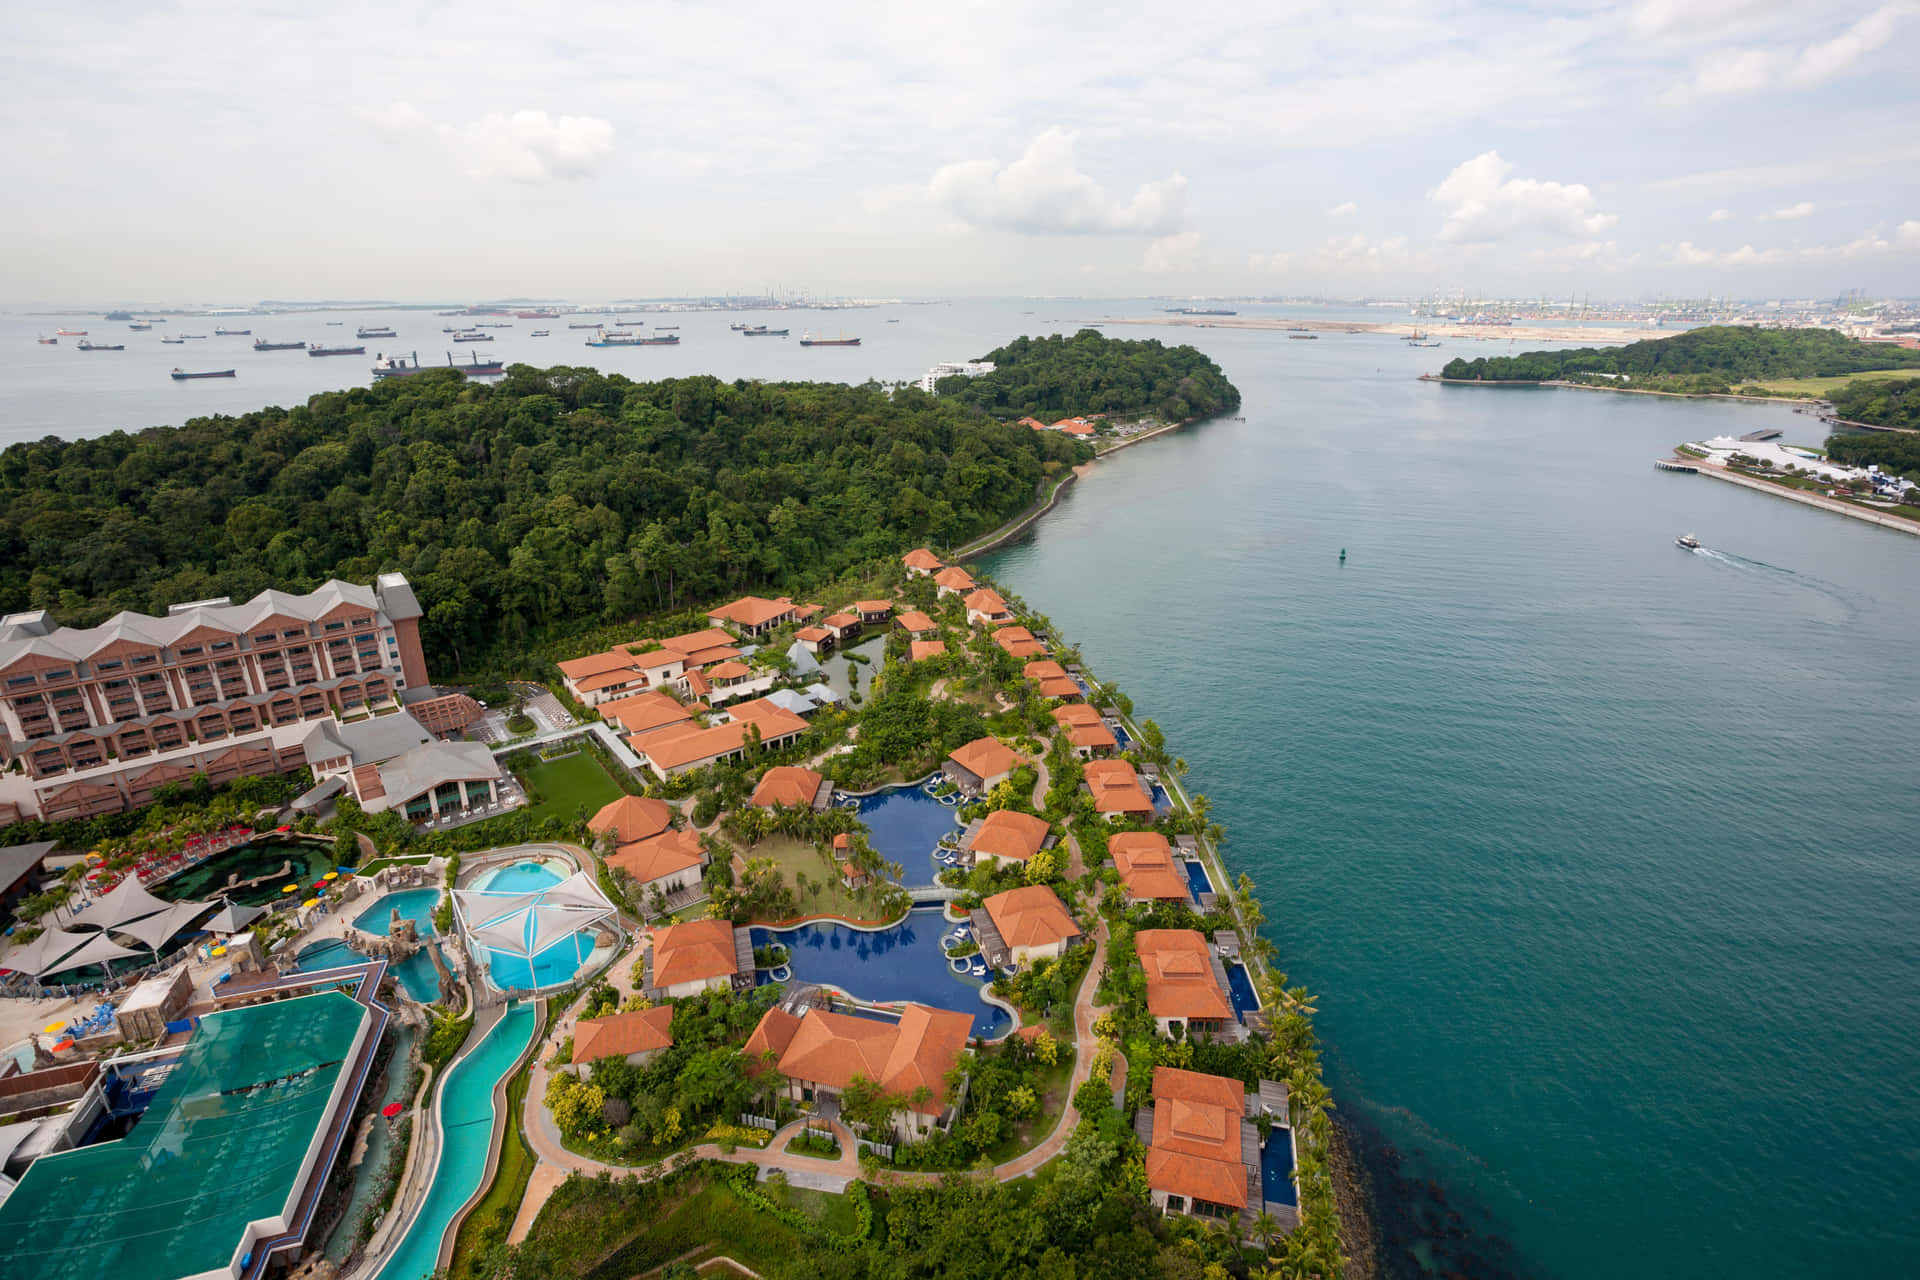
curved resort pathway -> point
(556, 1162)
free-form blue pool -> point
(414, 904)
(1197, 882)
(559, 961)
(904, 962)
(1240, 984)
(904, 825)
(465, 1109)
(416, 974)
(1276, 1167)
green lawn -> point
(595, 1232)
(1824, 387)
(569, 784)
(796, 857)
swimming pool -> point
(1240, 983)
(558, 962)
(416, 974)
(904, 962)
(1276, 1167)
(1162, 802)
(904, 825)
(1197, 882)
(414, 904)
(465, 1112)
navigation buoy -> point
(1343, 555)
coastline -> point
(1560, 384)
(1406, 328)
(1900, 524)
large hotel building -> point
(94, 720)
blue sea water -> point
(1600, 854)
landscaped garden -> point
(569, 787)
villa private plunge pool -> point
(1240, 986)
(1276, 1167)
(904, 962)
(905, 824)
(1197, 881)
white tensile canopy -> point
(41, 955)
(128, 901)
(98, 951)
(526, 924)
(154, 930)
(231, 918)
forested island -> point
(1885, 402)
(547, 501)
(1898, 454)
(1716, 360)
(1093, 375)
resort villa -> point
(1022, 925)
(1116, 790)
(840, 627)
(920, 650)
(638, 1036)
(682, 745)
(1007, 837)
(700, 955)
(922, 563)
(916, 623)
(821, 1053)
(1203, 1154)
(1020, 642)
(627, 669)
(1086, 730)
(95, 720)
(1186, 983)
(1148, 872)
(953, 582)
(792, 786)
(981, 765)
(631, 818)
(1052, 678)
(671, 862)
(873, 613)
(754, 616)
(987, 606)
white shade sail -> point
(526, 924)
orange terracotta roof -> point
(873, 606)
(1035, 423)
(1019, 642)
(708, 656)
(1031, 916)
(914, 622)
(1078, 713)
(775, 721)
(655, 856)
(644, 711)
(697, 682)
(830, 1049)
(670, 750)
(985, 757)
(639, 1031)
(1116, 788)
(1007, 833)
(608, 679)
(954, 579)
(1179, 970)
(986, 600)
(593, 664)
(1196, 1147)
(787, 784)
(1043, 669)
(801, 612)
(693, 641)
(753, 611)
(1146, 865)
(632, 818)
(729, 670)
(1059, 687)
(921, 558)
(693, 952)
(1083, 725)
(813, 635)
(927, 649)
(841, 620)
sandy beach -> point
(1593, 335)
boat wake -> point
(1787, 577)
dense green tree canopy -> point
(550, 497)
(1091, 374)
(1724, 355)
(1887, 402)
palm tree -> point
(1267, 1227)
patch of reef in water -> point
(1421, 1227)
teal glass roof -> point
(220, 1147)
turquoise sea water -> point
(1603, 855)
(466, 1116)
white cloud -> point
(1792, 213)
(1748, 70)
(1346, 255)
(527, 146)
(1870, 245)
(1172, 253)
(1044, 192)
(1343, 209)
(1484, 205)
(1907, 234)
(1819, 63)
(1720, 215)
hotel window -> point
(335, 625)
(111, 664)
(221, 646)
(227, 664)
(294, 633)
(363, 622)
(191, 651)
(265, 637)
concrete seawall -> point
(1813, 500)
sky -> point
(222, 153)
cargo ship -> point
(181, 375)
(48, 342)
(606, 338)
(401, 366)
(233, 333)
(807, 341)
(538, 333)
(100, 346)
(336, 351)
(174, 342)
(141, 325)
(536, 315)
(472, 335)
(71, 333)
(761, 331)
(380, 332)
(261, 344)
(591, 324)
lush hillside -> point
(1091, 374)
(1899, 454)
(551, 497)
(1886, 402)
(1717, 358)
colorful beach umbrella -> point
(218, 951)
(392, 1109)
(311, 902)
(288, 888)
(331, 875)
(53, 1028)
(63, 1046)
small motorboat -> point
(1688, 541)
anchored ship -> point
(261, 344)
(336, 351)
(402, 366)
(381, 331)
(181, 375)
(807, 340)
